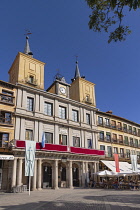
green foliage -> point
(106, 13)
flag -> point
(116, 157)
(90, 144)
(134, 163)
(68, 149)
(43, 140)
(30, 157)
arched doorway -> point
(47, 175)
(75, 172)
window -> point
(101, 135)
(127, 153)
(109, 151)
(121, 152)
(138, 132)
(136, 142)
(7, 96)
(119, 126)
(108, 137)
(62, 112)
(126, 140)
(88, 119)
(120, 139)
(31, 79)
(114, 138)
(125, 127)
(29, 135)
(133, 152)
(4, 139)
(48, 137)
(48, 109)
(5, 117)
(138, 155)
(62, 139)
(100, 120)
(102, 147)
(76, 141)
(134, 131)
(89, 143)
(131, 142)
(107, 122)
(113, 124)
(75, 115)
(115, 150)
(30, 104)
(130, 129)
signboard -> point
(6, 157)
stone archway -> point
(47, 175)
(75, 173)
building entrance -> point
(75, 171)
(47, 176)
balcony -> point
(7, 99)
(108, 155)
(125, 129)
(119, 128)
(114, 141)
(62, 148)
(120, 141)
(30, 81)
(6, 121)
(114, 127)
(101, 139)
(121, 155)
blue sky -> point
(59, 32)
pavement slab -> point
(71, 199)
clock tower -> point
(59, 87)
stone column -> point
(39, 174)
(95, 170)
(19, 172)
(56, 174)
(34, 177)
(70, 175)
(92, 170)
(14, 172)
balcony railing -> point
(114, 141)
(120, 141)
(31, 82)
(7, 99)
(7, 121)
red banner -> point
(116, 157)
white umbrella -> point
(105, 173)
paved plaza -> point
(73, 199)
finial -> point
(27, 50)
(76, 59)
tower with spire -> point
(82, 90)
(26, 69)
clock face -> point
(62, 90)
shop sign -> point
(6, 157)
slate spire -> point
(27, 50)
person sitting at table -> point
(131, 185)
(115, 184)
(104, 183)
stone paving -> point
(71, 199)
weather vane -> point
(76, 56)
(27, 32)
